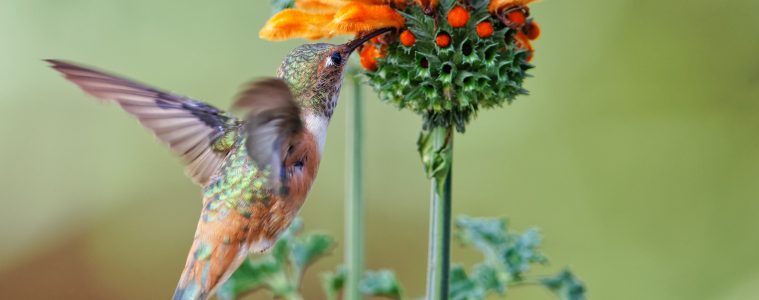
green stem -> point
(439, 252)
(354, 206)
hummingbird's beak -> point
(352, 45)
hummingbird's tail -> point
(219, 247)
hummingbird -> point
(255, 172)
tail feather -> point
(219, 247)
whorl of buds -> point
(452, 59)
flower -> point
(318, 19)
(443, 40)
(447, 59)
(368, 57)
(458, 17)
(484, 29)
(407, 38)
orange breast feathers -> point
(301, 163)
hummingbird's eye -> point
(336, 58)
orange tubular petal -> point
(496, 5)
(292, 23)
(524, 42)
(368, 57)
(379, 2)
(319, 5)
(358, 17)
(532, 30)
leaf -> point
(333, 282)
(488, 277)
(248, 277)
(381, 283)
(308, 249)
(509, 251)
(281, 269)
(462, 287)
(436, 151)
(566, 286)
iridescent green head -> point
(315, 72)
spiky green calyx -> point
(448, 84)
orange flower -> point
(443, 40)
(484, 29)
(368, 57)
(517, 16)
(498, 5)
(407, 38)
(458, 17)
(532, 30)
(524, 42)
(316, 19)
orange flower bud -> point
(407, 38)
(484, 29)
(517, 17)
(532, 30)
(443, 40)
(368, 57)
(523, 42)
(458, 17)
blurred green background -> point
(636, 154)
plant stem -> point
(439, 252)
(354, 206)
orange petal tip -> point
(293, 23)
(358, 17)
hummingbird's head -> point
(314, 72)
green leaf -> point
(381, 283)
(435, 149)
(281, 269)
(488, 277)
(462, 287)
(308, 249)
(333, 282)
(566, 286)
(248, 277)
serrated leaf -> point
(333, 282)
(462, 287)
(247, 277)
(381, 283)
(566, 286)
(308, 249)
(488, 277)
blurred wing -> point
(273, 126)
(195, 131)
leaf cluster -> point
(507, 260)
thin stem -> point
(439, 253)
(354, 202)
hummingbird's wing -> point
(197, 132)
(273, 126)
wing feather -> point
(189, 127)
(273, 125)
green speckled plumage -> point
(237, 183)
